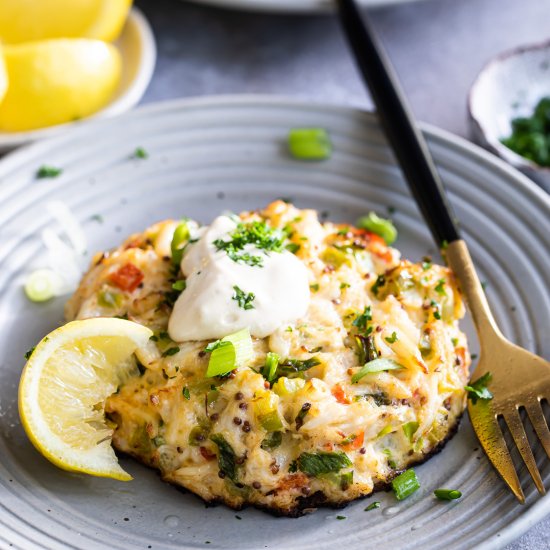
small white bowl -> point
(510, 86)
(139, 53)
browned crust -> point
(308, 504)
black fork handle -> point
(398, 123)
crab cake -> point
(294, 363)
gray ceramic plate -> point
(293, 6)
(229, 153)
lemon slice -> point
(3, 76)
(63, 388)
(57, 81)
(28, 20)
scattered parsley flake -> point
(372, 506)
(29, 353)
(392, 339)
(140, 153)
(257, 233)
(341, 517)
(97, 218)
(314, 287)
(479, 390)
(171, 351)
(185, 392)
(243, 299)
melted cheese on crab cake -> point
(354, 370)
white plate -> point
(510, 86)
(137, 47)
(210, 155)
(293, 6)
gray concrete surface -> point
(437, 46)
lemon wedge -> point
(63, 388)
(29, 20)
(57, 81)
(3, 76)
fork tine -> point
(515, 425)
(492, 440)
(539, 423)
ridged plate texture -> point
(210, 155)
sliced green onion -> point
(309, 143)
(447, 494)
(405, 484)
(109, 299)
(180, 237)
(48, 172)
(232, 351)
(372, 506)
(409, 429)
(242, 341)
(41, 285)
(379, 226)
(376, 365)
(271, 364)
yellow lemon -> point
(63, 388)
(3, 76)
(57, 81)
(29, 20)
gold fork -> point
(520, 379)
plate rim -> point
(128, 99)
(254, 6)
(17, 159)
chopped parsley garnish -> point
(479, 390)
(299, 421)
(97, 218)
(186, 393)
(322, 462)
(314, 287)
(227, 459)
(293, 368)
(256, 233)
(392, 339)
(341, 517)
(380, 281)
(29, 353)
(344, 286)
(48, 172)
(140, 153)
(530, 135)
(272, 440)
(243, 299)
(436, 310)
(361, 320)
(440, 287)
(170, 351)
(372, 506)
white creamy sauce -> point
(206, 310)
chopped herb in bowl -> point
(530, 136)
